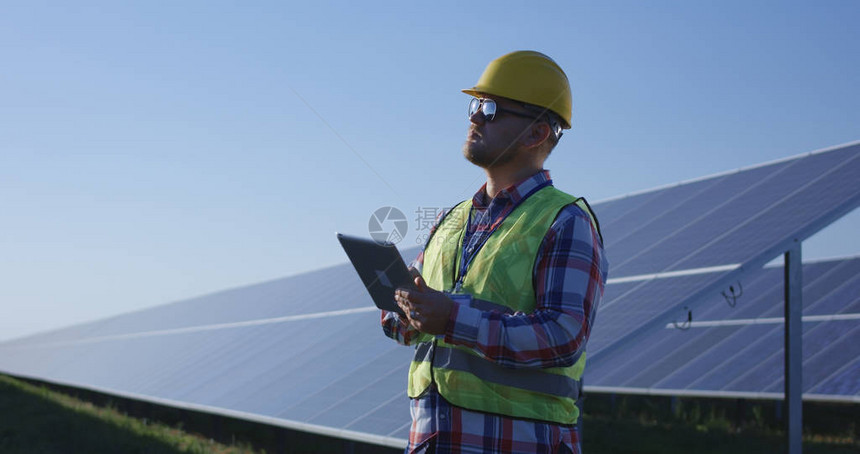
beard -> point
(483, 156)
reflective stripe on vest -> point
(529, 379)
(501, 280)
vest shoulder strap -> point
(583, 204)
(442, 219)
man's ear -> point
(538, 134)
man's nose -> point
(478, 117)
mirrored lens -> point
(488, 108)
(474, 105)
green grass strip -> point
(37, 420)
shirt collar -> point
(515, 192)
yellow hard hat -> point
(530, 77)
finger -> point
(403, 292)
(412, 296)
(404, 319)
(404, 305)
(419, 282)
(402, 299)
(416, 324)
(414, 272)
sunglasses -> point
(489, 108)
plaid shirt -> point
(569, 275)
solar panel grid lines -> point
(176, 362)
(843, 298)
(261, 363)
(757, 345)
(310, 368)
(640, 216)
(678, 357)
(221, 361)
(652, 302)
(239, 360)
(844, 349)
(660, 188)
(745, 308)
(635, 286)
(609, 212)
(836, 280)
(842, 382)
(710, 363)
(229, 366)
(691, 301)
(181, 379)
(757, 353)
(652, 234)
(827, 360)
(174, 315)
(364, 379)
(366, 405)
(355, 411)
(728, 216)
(74, 331)
(718, 337)
(770, 305)
(389, 416)
(767, 374)
(651, 352)
(810, 211)
(361, 393)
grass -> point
(604, 436)
(35, 419)
(649, 424)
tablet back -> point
(380, 267)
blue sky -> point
(154, 151)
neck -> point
(498, 179)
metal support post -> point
(793, 343)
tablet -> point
(380, 267)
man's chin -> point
(480, 163)
(471, 156)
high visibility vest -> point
(499, 277)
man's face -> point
(495, 143)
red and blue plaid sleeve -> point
(398, 329)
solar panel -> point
(738, 351)
(723, 227)
(307, 352)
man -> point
(508, 284)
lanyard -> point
(467, 253)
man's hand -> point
(427, 310)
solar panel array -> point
(724, 225)
(307, 351)
(734, 346)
